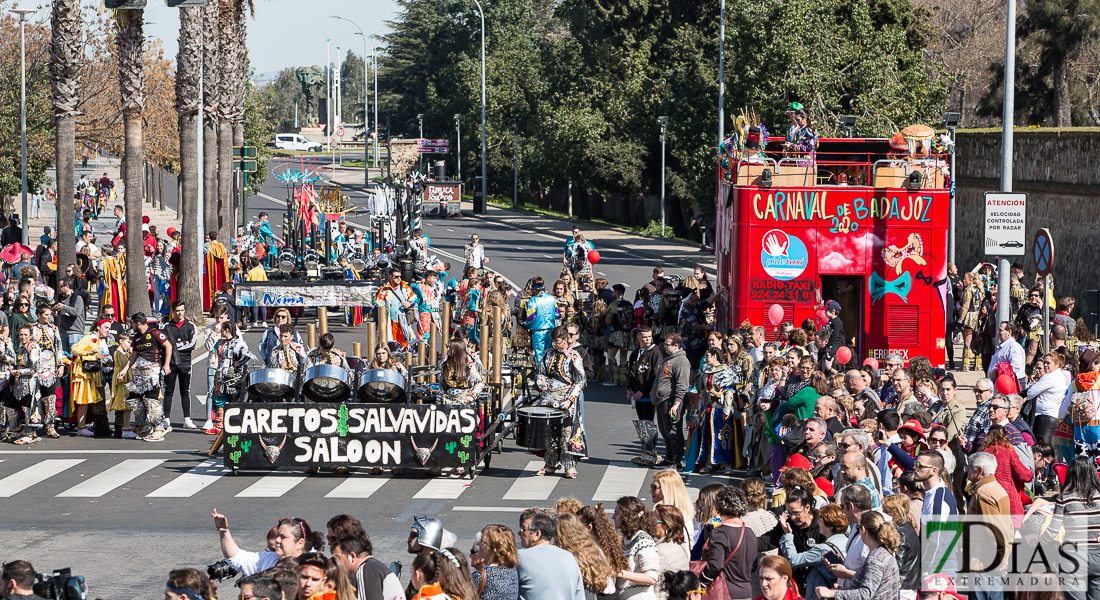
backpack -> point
(670, 308)
(624, 315)
(1082, 410)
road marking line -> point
(193, 481)
(112, 478)
(620, 479)
(530, 486)
(97, 452)
(449, 229)
(429, 224)
(444, 487)
(35, 474)
(601, 273)
(273, 485)
(415, 507)
(548, 256)
(509, 509)
(555, 238)
(360, 485)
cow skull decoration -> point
(423, 454)
(272, 452)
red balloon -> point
(844, 354)
(775, 315)
(593, 256)
(871, 361)
(1006, 384)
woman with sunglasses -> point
(293, 538)
(20, 316)
(270, 338)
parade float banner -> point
(313, 434)
(293, 294)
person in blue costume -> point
(542, 314)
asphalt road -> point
(125, 512)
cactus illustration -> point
(462, 456)
(466, 439)
(232, 440)
(245, 445)
(342, 425)
(450, 446)
(236, 456)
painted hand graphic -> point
(773, 246)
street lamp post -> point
(951, 122)
(1007, 123)
(484, 167)
(377, 136)
(663, 122)
(515, 184)
(420, 122)
(721, 74)
(23, 12)
(458, 144)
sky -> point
(285, 33)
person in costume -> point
(326, 354)
(642, 374)
(470, 302)
(462, 377)
(620, 321)
(561, 379)
(26, 390)
(579, 265)
(542, 314)
(8, 415)
(270, 339)
(428, 293)
(353, 315)
(112, 284)
(384, 359)
(51, 365)
(118, 388)
(232, 356)
(87, 384)
(719, 445)
(215, 269)
(399, 300)
(804, 142)
(1084, 394)
(1029, 320)
(289, 355)
(149, 363)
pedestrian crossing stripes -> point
(35, 474)
(112, 478)
(176, 479)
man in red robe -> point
(215, 269)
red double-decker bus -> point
(855, 224)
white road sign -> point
(1005, 220)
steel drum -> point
(358, 261)
(271, 383)
(539, 427)
(381, 385)
(327, 383)
(286, 261)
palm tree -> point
(228, 73)
(65, 69)
(210, 116)
(188, 69)
(131, 82)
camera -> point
(62, 585)
(220, 570)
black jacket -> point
(230, 303)
(908, 556)
(12, 234)
(644, 364)
(183, 336)
(770, 540)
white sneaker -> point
(188, 423)
(208, 425)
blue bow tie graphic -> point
(900, 287)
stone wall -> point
(1059, 169)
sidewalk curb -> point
(706, 259)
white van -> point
(293, 141)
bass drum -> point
(539, 427)
(381, 385)
(271, 384)
(327, 383)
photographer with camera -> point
(190, 584)
(19, 581)
(294, 538)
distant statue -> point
(313, 85)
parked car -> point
(294, 141)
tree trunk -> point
(1062, 115)
(66, 65)
(210, 118)
(131, 47)
(65, 147)
(228, 75)
(225, 181)
(160, 186)
(188, 78)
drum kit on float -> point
(329, 383)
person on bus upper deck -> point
(794, 130)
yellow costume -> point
(118, 388)
(85, 386)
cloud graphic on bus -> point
(835, 261)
